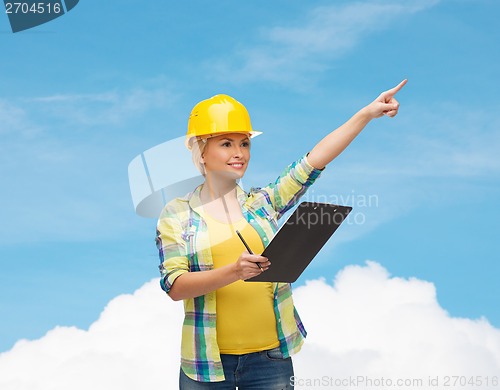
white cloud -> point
(377, 326)
(291, 54)
(366, 324)
(133, 345)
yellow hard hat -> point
(218, 115)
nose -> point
(237, 152)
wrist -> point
(233, 272)
(365, 114)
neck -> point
(216, 187)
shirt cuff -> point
(168, 280)
(310, 166)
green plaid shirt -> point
(183, 244)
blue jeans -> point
(259, 370)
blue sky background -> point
(81, 96)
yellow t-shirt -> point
(245, 314)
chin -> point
(234, 175)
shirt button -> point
(265, 239)
(252, 220)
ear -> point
(203, 151)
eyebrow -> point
(230, 139)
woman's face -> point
(227, 155)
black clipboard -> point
(300, 239)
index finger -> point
(259, 259)
(254, 258)
(396, 89)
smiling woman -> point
(226, 150)
(232, 150)
(238, 334)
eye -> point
(226, 144)
(245, 144)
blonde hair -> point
(198, 146)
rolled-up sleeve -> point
(171, 248)
(293, 182)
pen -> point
(246, 246)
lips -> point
(236, 165)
